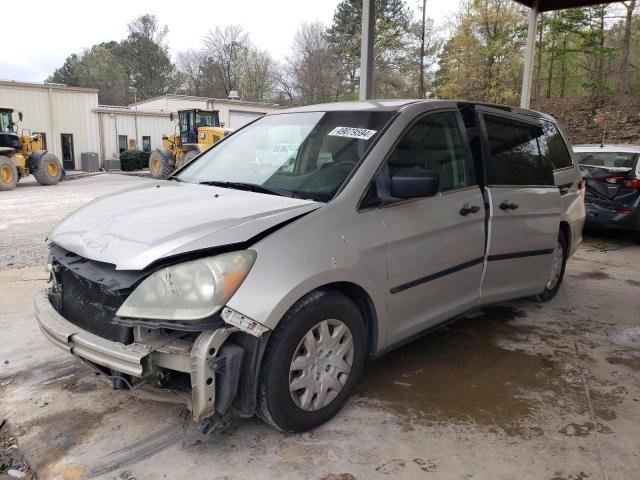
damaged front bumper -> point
(151, 355)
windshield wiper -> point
(252, 187)
(175, 179)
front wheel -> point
(161, 163)
(312, 363)
(8, 174)
(48, 169)
(558, 264)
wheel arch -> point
(363, 301)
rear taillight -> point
(631, 183)
(623, 182)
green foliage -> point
(146, 58)
(592, 51)
(133, 160)
(137, 67)
(395, 62)
(483, 58)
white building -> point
(233, 113)
(64, 115)
(72, 122)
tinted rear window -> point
(515, 153)
(607, 159)
(557, 150)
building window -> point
(122, 143)
(43, 137)
(146, 144)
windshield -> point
(308, 155)
(5, 121)
(607, 159)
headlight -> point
(191, 290)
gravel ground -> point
(519, 390)
(30, 211)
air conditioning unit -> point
(89, 161)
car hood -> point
(134, 228)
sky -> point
(45, 32)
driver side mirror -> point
(20, 116)
(171, 116)
(414, 183)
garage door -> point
(239, 119)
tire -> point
(161, 163)
(276, 403)
(47, 169)
(8, 174)
(635, 237)
(552, 287)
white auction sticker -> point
(350, 132)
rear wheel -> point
(161, 163)
(558, 264)
(635, 236)
(8, 174)
(312, 363)
(48, 170)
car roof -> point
(607, 148)
(365, 105)
(399, 104)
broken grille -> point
(90, 305)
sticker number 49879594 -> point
(350, 132)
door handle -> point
(507, 205)
(466, 210)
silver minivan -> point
(242, 287)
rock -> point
(12, 472)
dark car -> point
(612, 176)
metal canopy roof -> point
(548, 5)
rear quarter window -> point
(515, 154)
(557, 151)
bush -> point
(133, 160)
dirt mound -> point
(583, 118)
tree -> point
(191, 65)
(258, 77)
(625, 83)
(97, 67)
(483, 58)
(311, 68)
(67, 74)
(595, 53)
(394, 58)
(148, 64)
(227, 47)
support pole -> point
(424, 27)
(529, 56)
(366, 49)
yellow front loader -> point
(21, 155)
(198, 131)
